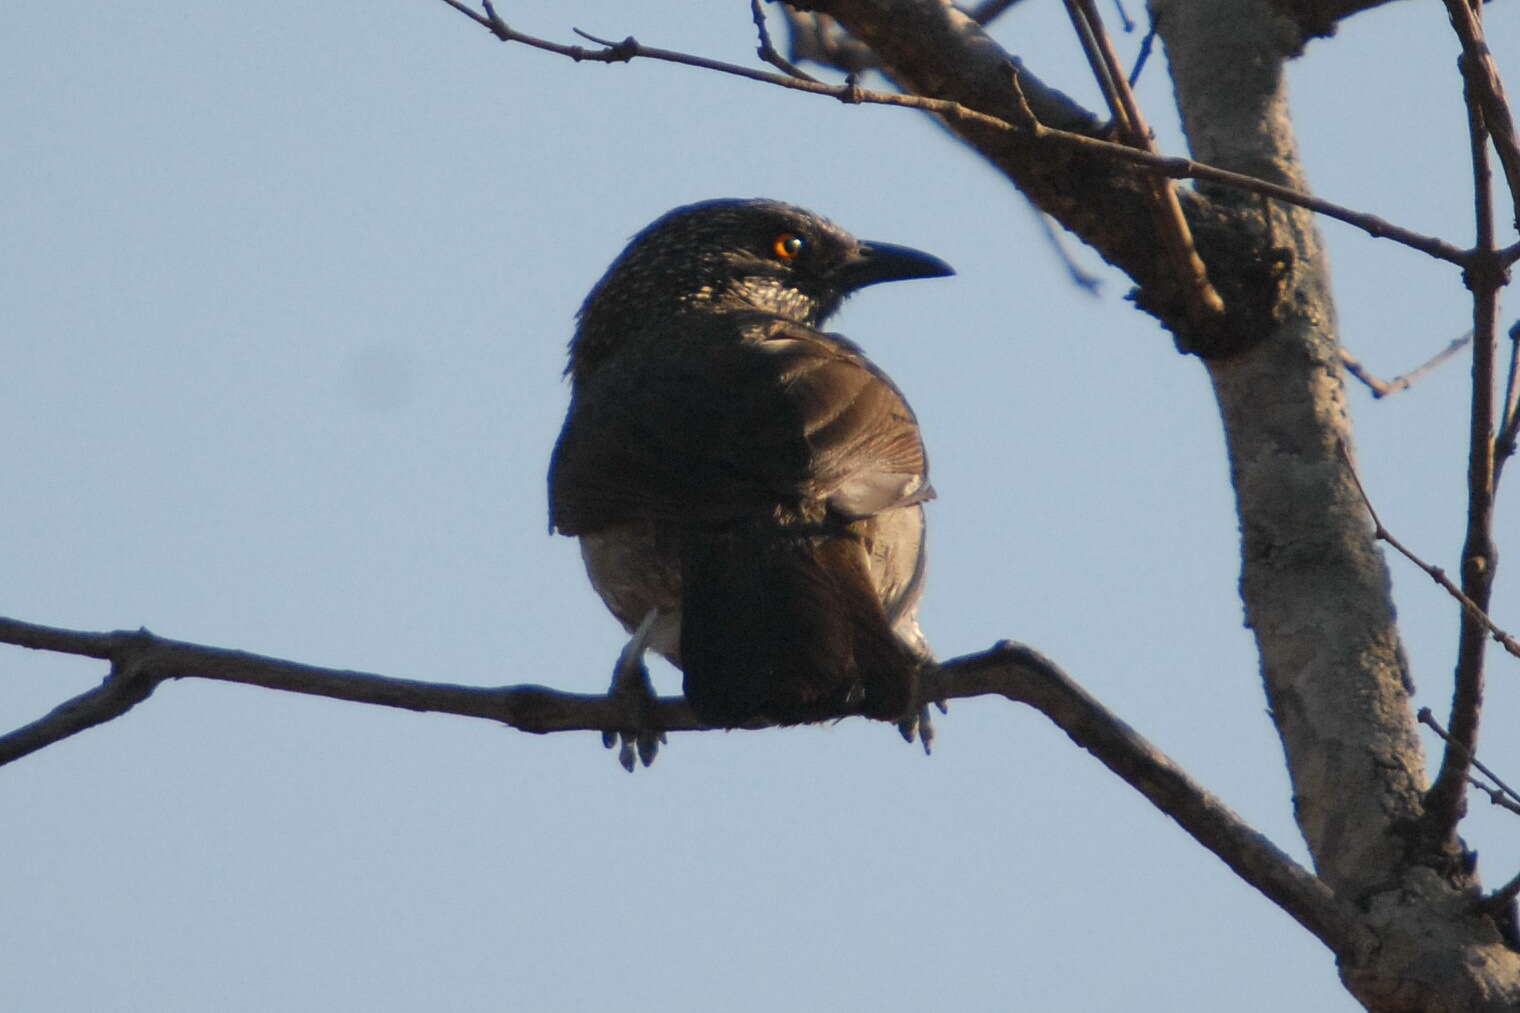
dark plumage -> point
(747, 489)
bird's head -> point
(734, 255)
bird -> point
(747, 489)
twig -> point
(1509, 414)
(1382, 388)
(1483, 78)
(1204, 303)
(1435, 573)
(766, 51)
(1444, 801)
(1125, 21)
(1146, 44)
(1083, 279)
(1010, 670)
(1496, 796)
(1169, 166)
(1428, 719)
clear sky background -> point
(285, 294)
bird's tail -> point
(788, 627)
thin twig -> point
(1083, 279)
(1204, 303)
(1013, 671)
(1435, 573)
(1509, 414)
(1483, 78)
(1145, 54)
(1125, 21)
(1496, 796)
(1169, 166)
(1382, 388)
(1444, 801)
(766, 51)
(1427, 718)
(1102, 72)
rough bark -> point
(1315, 586)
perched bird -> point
(747, 489)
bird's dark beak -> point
(873, 263)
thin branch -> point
(1102, 70)
(1146, 44)
(1488, 93)
(1444, 802)
(1435, 573)
(1126, 22)
(1169, 166)
(125, 687)
(1185, 168)
(766, 51)
(1010, 670)
(1204, 303)
(1023, 675)
(1428, 719)
(1495, 796)
(1080, 277)
(1382, 388)
(1509, 414)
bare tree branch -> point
(1484, 276)
(766, 51)
(1470, 607)
(1509, 413)
(1080, 276)
(140, 661)
(1488, 101)
(1382, 388)
(1204, 303)
(956, 112)
(1428, 719)
(1496, 796)
(1022, 675)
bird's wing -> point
(709, 431)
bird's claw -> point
(640, 741)
(635, 745)
(919, 725)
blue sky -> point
(287, 290)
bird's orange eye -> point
(788, 246)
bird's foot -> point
(920, 726)
(641, 740)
